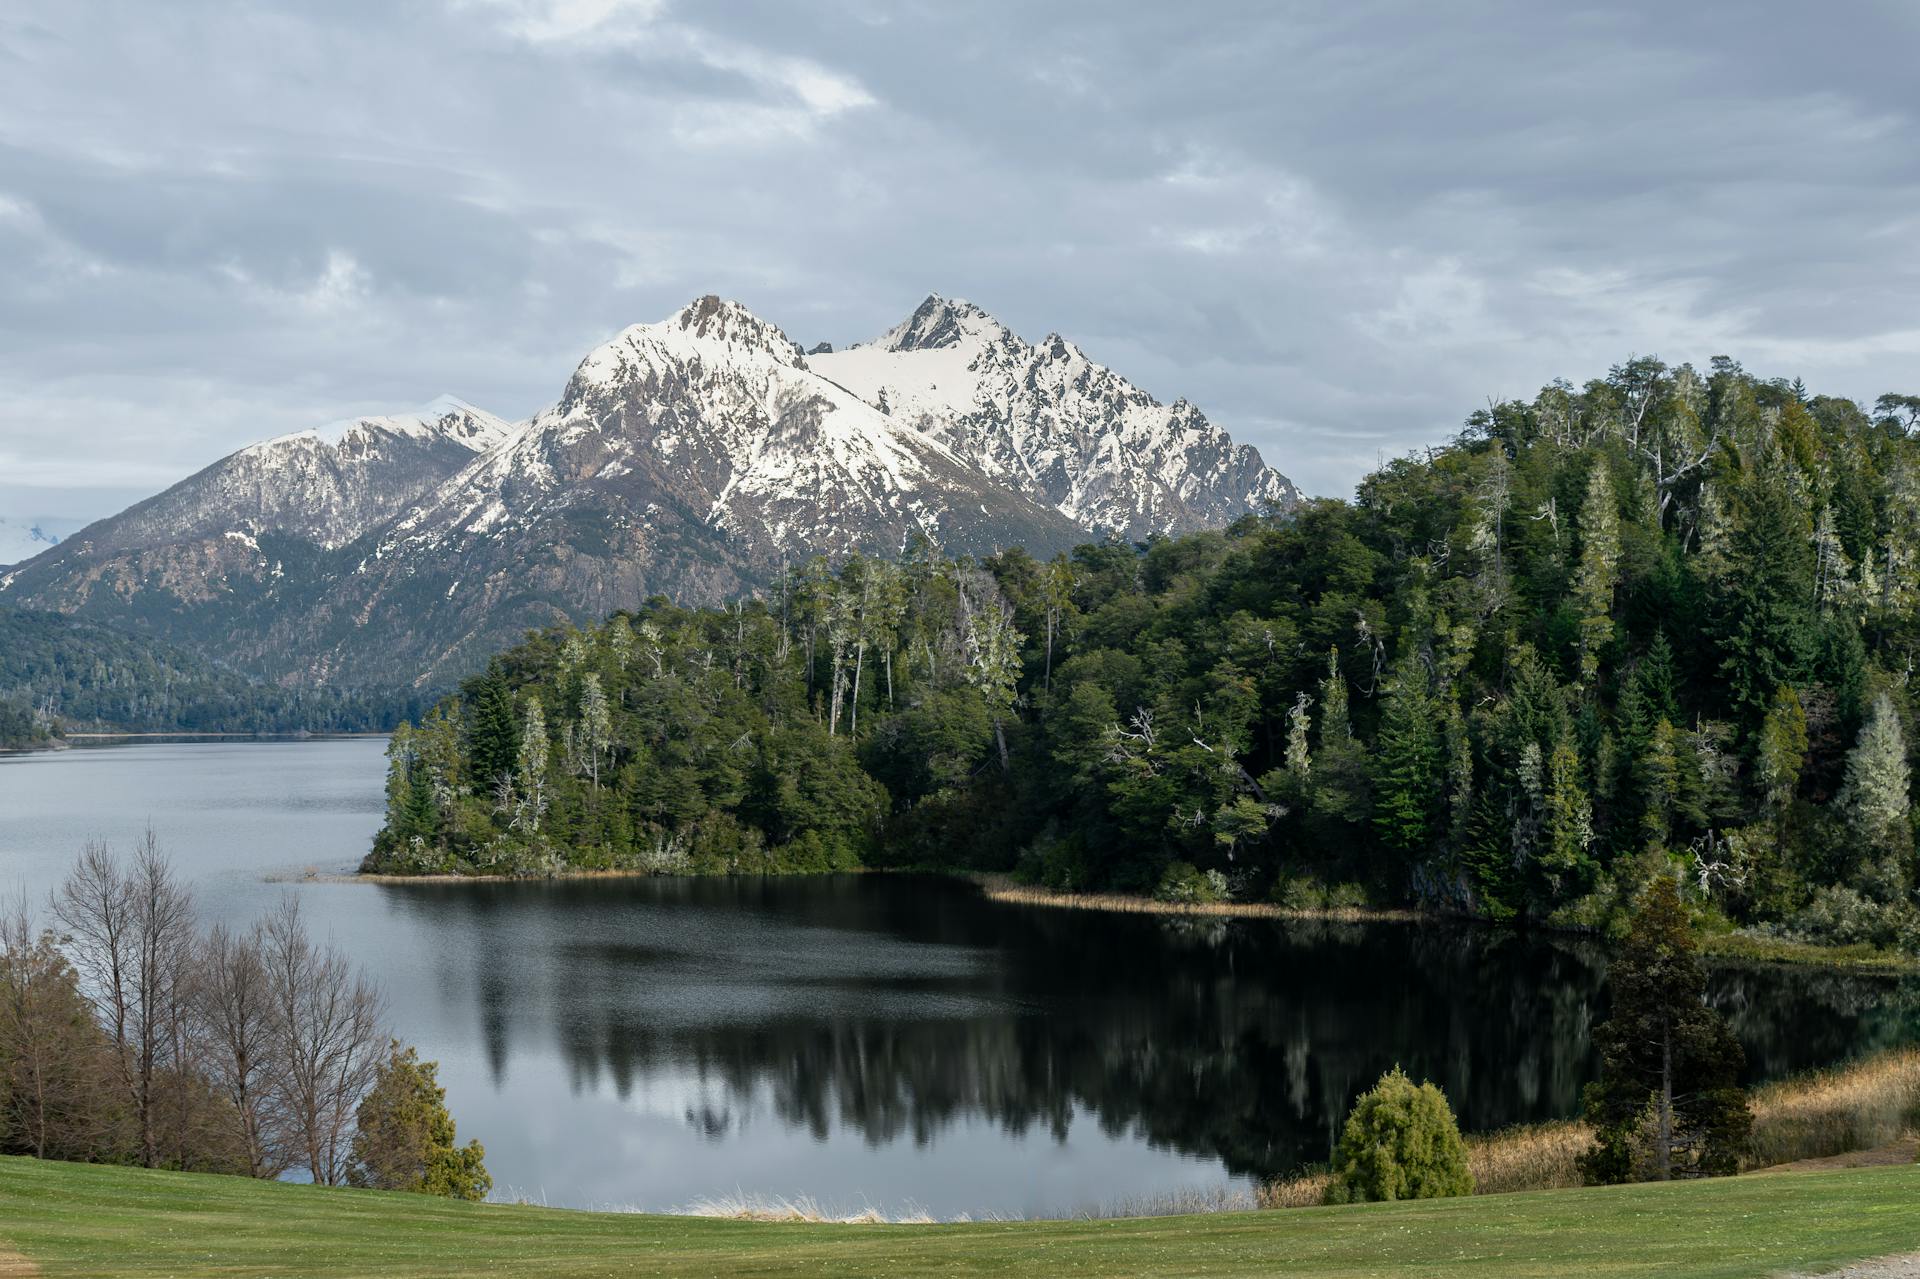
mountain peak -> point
(939, 322)
(716, 319)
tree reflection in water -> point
(891, 1007)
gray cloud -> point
(1336, 227)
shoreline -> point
(1002, 888)
(1744, 948)
(1718, 948)
(299, 735)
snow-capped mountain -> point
(693, 457)
(712, 418)
(22, 539)
(1054, 424)
(327, 486)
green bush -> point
(1298, 892)
(1057, 862)
(1400, 1142)
(1346, 897)
(1840, 916)
(1304, 892)
(1184, 885)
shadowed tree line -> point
(59, 673)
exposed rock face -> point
(1051, 422)
(694, 457)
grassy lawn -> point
(78, 1220)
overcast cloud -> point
(1336, 227)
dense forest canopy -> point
(1659, 623)
(57, 672)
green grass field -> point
(72, 1219)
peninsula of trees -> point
(1660, 624)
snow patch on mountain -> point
(1065, 429)
(445, 417)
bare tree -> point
(330, 1040)
(235, 1008)
(132, 932)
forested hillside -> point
(1660, 623)
(57, 672)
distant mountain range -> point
(24, 539)
(693, 458)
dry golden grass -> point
(1868, 1104)
(1001, 888)
(1534, 1157)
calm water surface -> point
(877, 1039)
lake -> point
(880, 1040)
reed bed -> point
(804, 1208)
(1864, 1105)
(1861, 1106)
(1002, 888)
(1177, 1203)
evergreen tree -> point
(404, 1136)
(1781, 748)
(1599, 569)
(1873, 801)
(493, 744)
(1767, 635)
(530, 771)
(1569, 824)
(1668, 1102)
(1409, 768)
(1400, 1142)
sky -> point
(1338, 228)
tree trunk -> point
(1000, 736)
(859, 661)
(1050, 624)
(1666, 1104)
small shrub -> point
(1400, 1142)
(1298, 893)
(1057, 862)
(1347, 897)
(1305, 893)
(1842, 916)
(1183, 885)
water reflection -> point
(894, 1008)
(874, 1039)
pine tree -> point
(1569, 824)
(1658, 773)
(1781, 748)
(1765, 625)
(1668, 1102)
(1408, 774)
(494, 736)
(1599, 569)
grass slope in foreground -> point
(74, 1219)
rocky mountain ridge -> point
(695, 457)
